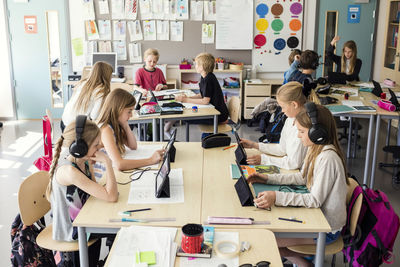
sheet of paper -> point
(176, 31)
(91, 30)
(157, 9)
(149, 30)
(119, 27)
(131, 9)
(91, 47)
(143, 152)
(169, 9)
(182, 9)
(145, 9)
(207, 33)
(196, 10)
(367, 85)
(117, 9)
(135, 30)
(105, 46)
(214, 260)
(343, 90)
(210, 10)
(135, 53)
(103, 7)
(77, 46)
(104, 29)
(190, 105)
(142, 191)
(166, 92)
(352, 103)
(162, 30)
(120, 48)
(88, 10)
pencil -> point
(138, 210)
(290, 220)
(228, 147)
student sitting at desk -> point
(294, 62)
(89, 94)
(116, 134)
(348, 63)
(289, 153)
(72, 182)
(324, 173)
(150, 77)
(309, 62)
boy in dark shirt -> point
(309, 61)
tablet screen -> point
(162, 175)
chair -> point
(33, 206)
(337, 245)
(395, 150)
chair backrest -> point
(357, 205)
(233, 108)
(32, 201)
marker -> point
(228, 147)
(291, 220)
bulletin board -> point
(171, 52)
(278, 29)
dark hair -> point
(309, 60)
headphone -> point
(79, 148)
(317, 133)
(310, 84)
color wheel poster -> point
(278, 30)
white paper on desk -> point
(105, 46)
(142, 191)
(352, 103)
(103, 7)
(149, 30)
(196, 10)
(120, 48)
(367, 85)
(117, 9)
(135, 53)
(119, 27)
(162, 30)
(143, 152)
(214, 260)
(190, 105)
(210, 10)
(104, 29)
(131, 9)
(166, 92)
(135, 30)
(145, 9)
(176, 31)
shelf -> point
(394, 23)
(391, 47)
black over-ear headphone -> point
(79, 148)
(317, 133)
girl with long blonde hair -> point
(116, 133)
(89, 94)
(323, 172)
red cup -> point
(346, 95)
(383, 95)
(192, 238)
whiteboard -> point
(234, 24)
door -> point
(37, 73)
(362, 32)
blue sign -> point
(353, 14)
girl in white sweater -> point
(323, 171)
(289, 153)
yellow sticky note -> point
(147, 256)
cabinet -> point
(255, 93)
(391, 65)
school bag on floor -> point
(272, 127)
(377, 228)
(44, 162)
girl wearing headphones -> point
(72, 182)
(116, 134)
(348, 63)
(323, 172)
(89, 95)
(289, 153)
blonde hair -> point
(325, 118)
(350, 45)
(151, 51)
(294, 91)
(207, 61)
(293, 54)
(115, 103)
(100, 78)
(89, 135)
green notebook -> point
(282, 188)
(337, 109)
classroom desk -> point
(261, 241)
(95, 214)
(220, 199)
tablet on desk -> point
(240, 152)
(162, 179)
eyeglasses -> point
(258, 264)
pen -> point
(290, 220)
(228, 147)
(137, 210)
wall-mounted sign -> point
(353, 14)
(30, 23)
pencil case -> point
(216, 140)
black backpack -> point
(272, 126)
(24, 250)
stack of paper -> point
(358, 106)
(135, 240)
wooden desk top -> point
(220, 199)
(189, 156)
(262, 241)
(186, 114)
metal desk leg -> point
(349, 137)
(369, 143)
(139, 130)
(389, 128)
(154, 130)
(83, 247)
(320, 253)
(373, 167)
(161, 130)
(353, 155)
(215, 124)
(187, 131)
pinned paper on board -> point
(77, 46)
(145, 9)
(210, 10)
(149, 30)
(119, 27)
(105, 46)
(182, 9)
(117, 9)
(91, 47)
(135, 30)
(135, 53)
(157, 9)
(104, 29)
(131, 9)
(162, 30)
(120, 48)
(103, 7)
(88, 10)
(91, 30)
(196, 10)
(176, 31)
(170, 9)
(207, 33)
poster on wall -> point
(30, 23)
(278, 28)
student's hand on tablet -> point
(159, 87)
(180, 98)
(265, 199)
(247, 143)
(254, 159)
(157, 156)
(257, 178)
